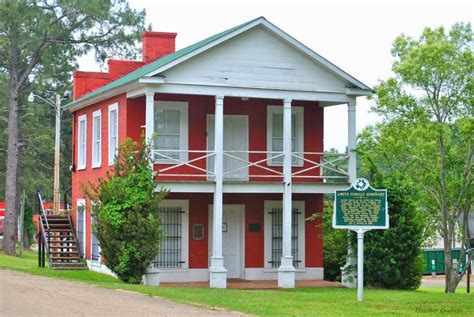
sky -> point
(355, 35)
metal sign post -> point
(360, 208)
(360, 264)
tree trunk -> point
(11, 190)
(11, 210)
(449, 287)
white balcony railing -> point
(253, 165)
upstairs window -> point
(96, 138)
(113, 132)
(171, 128)
(81, 142)
(275, 134)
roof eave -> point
(74, 106)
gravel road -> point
(28, 295)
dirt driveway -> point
(28, 295)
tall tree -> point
(428, 129)
(41, 36)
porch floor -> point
(256, 285)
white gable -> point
(257, 59)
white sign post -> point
(360, 208)
(360, 264)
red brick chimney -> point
(156, 45)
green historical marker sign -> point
(360, 207)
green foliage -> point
(335, 245)
(393, 257)
(427, 132)
(127, 212)
(40, 42)
(29, 228)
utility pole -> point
(57, 142)
(57, 147)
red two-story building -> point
(239, 125)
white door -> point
(232, 239)
(235, 143)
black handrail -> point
(45, 216)
(65, 198)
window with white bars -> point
(171, 128)
(81, 142)
(96, 138)
(275, 133)
(95, 244)
(170, 250)
(81, 225)
(277, 236)
(113, 132)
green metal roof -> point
(142, 71)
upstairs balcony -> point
(252, 170)
(254, 146)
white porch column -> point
(352, 140)
(286, 271)
(217, 272)
(348, 276)
(150, 118)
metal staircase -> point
(57, 240)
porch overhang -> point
(250, 187)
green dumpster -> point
(438, 256)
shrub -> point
(335, 245)
(393, 257)
(127, 214)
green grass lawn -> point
(427, 301)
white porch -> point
(298, 172)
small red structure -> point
(2, 216)
(239, 118)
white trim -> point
(268, 205)
(352, 140)
(96, 263)
(241, 210)
(80, 149)
(330, 98)
(184, 205)
(100, 268)
(112, 107)
(299, 121)
(96, 140)
(82, 202)
(182, 106)
(250, 187)
(310, 273)
(190, 275)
